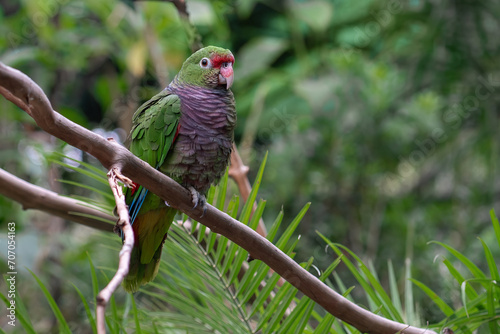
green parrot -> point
(186, 132)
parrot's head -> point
(210, 67)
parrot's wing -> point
(154, 129)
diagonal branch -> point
(21, 90)
(35, 197)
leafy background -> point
(382, 114)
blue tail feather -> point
(136, 204)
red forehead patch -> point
(218, 60)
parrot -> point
(186, 132)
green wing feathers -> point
(154, 128)
(153, 133)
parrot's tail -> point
(150, 232)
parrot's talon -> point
(166, 203)
(198, 200)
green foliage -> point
(206, 285)
(226, 294)
(63, 325)
(480, 294)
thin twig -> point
(238, 171)
(128, 243)
(22, 91)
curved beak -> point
(226, 75)
(226, 81)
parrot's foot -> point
(198, 200)
(166, 203)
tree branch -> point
(21, 90)
(238, 171)
(128, 243)
(34, 197)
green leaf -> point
(255, 282)
(275, 227)
(377, 294)
(285, 237)
(249, 276)
(105, 194)
(325, 324)
(468, 263)
(91, 174)
(447, 310)
(471, 293)
(264, 294)
(342, 288)
(63, 325)
(491, 261)
(409, 303)
(93, 217)
(87, 309)
(232, 207)
(220, 194)
(136, 315)
(330, 269)
(257, 215)
(496, 225)
(99, 173)
(464, 297)
(274, 307)
(297, 320)
(490, 304)
(393, 286)
(248, 207)
(95, 285)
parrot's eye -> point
(205, 63)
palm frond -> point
(205, 284)
(480, 294)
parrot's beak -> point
(226, 75)
(226, 81)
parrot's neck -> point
(202, 99)
(177, 86)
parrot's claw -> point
(166, 203)
(198, 200)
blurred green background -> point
(383, 113)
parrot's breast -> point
(202, 149)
